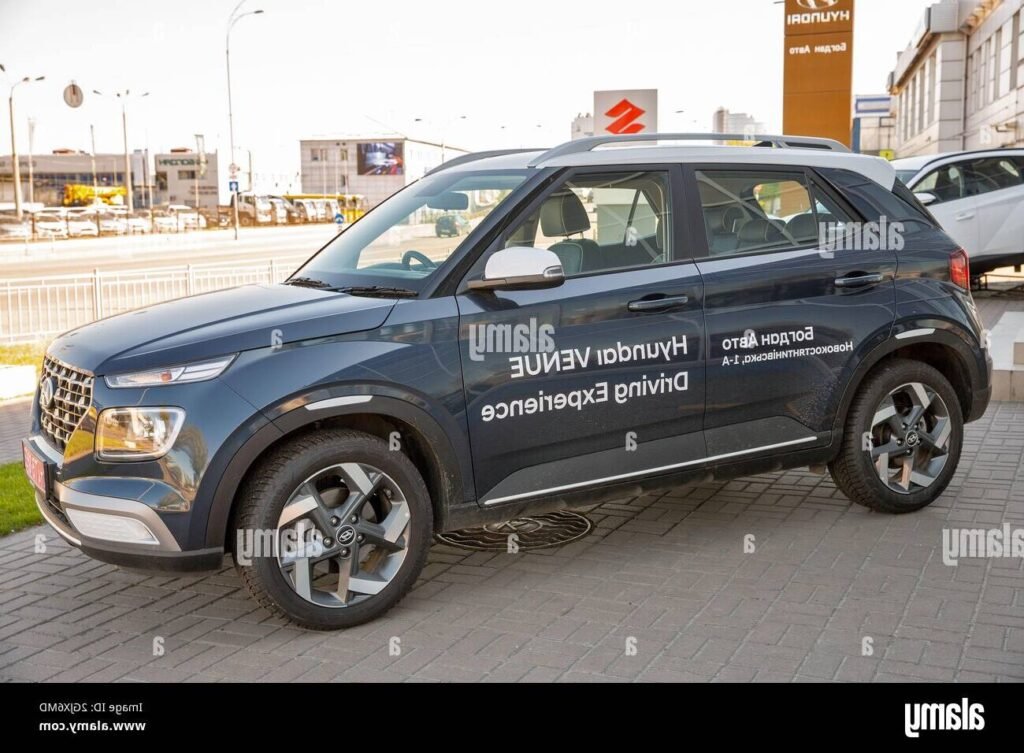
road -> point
(125, 253)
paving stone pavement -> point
(15, 423)
(665, 574)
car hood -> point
(213, 324)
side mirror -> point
(520, 268)
(926, 198)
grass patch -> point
(29, 354)
(17, 501)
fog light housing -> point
(137, 433)
(109, 527)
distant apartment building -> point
(874, 125)
(373, 167)
(582, 126)
(959, 84)
(725, 121)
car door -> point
(997, 188)
(600, 379)
(788, 317)
(952, 204)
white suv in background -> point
(977, 197)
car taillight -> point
(960, 269)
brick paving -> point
(665, 574)
(15, 423)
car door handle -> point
(658, 304)
(858, 281)
(963, 216)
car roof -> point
(922, 161)
(874, 168)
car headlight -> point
(137, 433)
(199, 371)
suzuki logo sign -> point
(627, 112)
(626, 115)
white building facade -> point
(959, 84)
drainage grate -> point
(534, 532)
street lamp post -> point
(123, 97)
(233, 19)
(14, 149)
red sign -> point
(625, 115)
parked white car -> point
(13, 230)
(82, 223)
(51, 223)
(977, 197)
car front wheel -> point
(349, 523)
(903, 437)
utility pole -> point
(31, 174)
(234, 18)
(14, 147)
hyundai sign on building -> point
(818, 77)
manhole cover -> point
(534, 532)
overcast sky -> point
(310, 67)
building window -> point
(186, 174)
(1006, 66)
(318, 155)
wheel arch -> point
(945, 349)
(445, 469)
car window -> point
(602, 221)
(749, 211)
(991, 174)
(945, 183)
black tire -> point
(265, 493)
(854, 471)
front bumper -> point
(162, 553)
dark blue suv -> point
(619, 318)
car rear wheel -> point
(903, 437)
(350, 525)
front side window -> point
(945, 183)
(402, 242)
(992, 174)
(748, 211)
(602, 221)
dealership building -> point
(373, 167)
(171, 178)
(959, 84)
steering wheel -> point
(423, 259)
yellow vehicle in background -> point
(351, 206)
(83, 195)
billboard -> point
(624, 112)
(380, 158)
(818, 69)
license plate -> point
(35, 468)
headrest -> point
(563, 214)
(761, 232)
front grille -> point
(72, 397)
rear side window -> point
(750, 211)
(875, 202)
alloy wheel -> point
(910, 435)
(341, 536)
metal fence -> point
(39, 308)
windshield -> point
(403, 241)
(906, 175)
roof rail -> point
(462, 159)
(779, 142)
